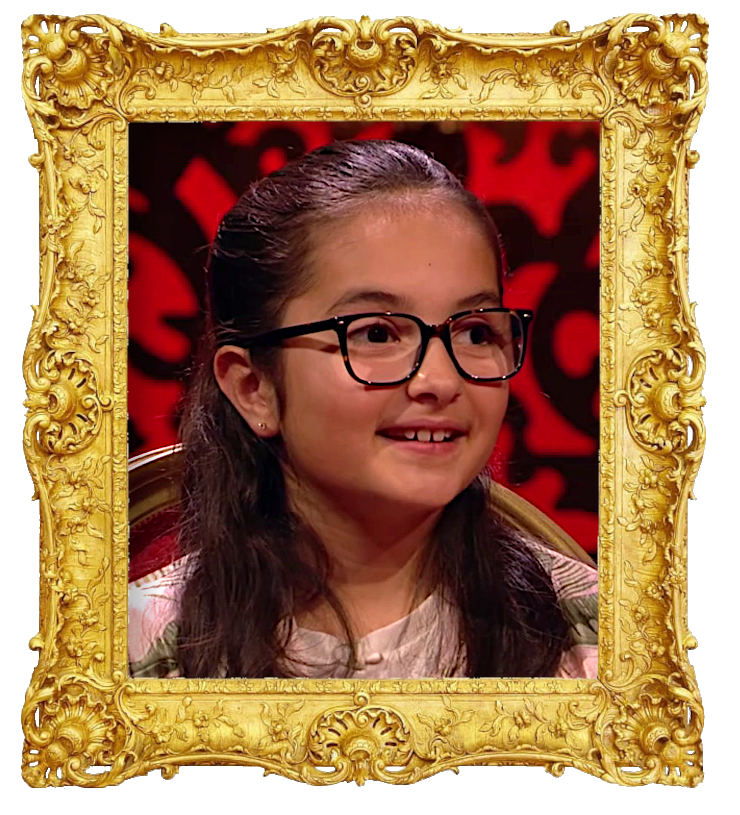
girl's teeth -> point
(427, 435)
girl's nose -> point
(437, 377)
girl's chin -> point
(421, 496)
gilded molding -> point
(84, 79)
(365, 59)
(653, 67)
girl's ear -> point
(248, 389)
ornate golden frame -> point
(85, 721)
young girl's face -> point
(432, 261)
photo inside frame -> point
(540, 181)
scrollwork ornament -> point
(65, 406)
(170, 74)
(664, 401)
(365, 59)
(70, 727)
(656, 736)
(361, 742)
(653, 67)
(69, 66)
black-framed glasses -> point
(387, 348)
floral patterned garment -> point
(417, 646)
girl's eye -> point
(481, 334)
(375, 333)
(477, 334)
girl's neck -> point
(375, 561)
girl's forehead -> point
(418, 254)
(414, 228)
(375, 212)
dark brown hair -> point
(249, 574)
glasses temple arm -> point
(276, 336)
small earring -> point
(261, 425)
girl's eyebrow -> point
(482, 298)
(396, 301)
(382, 298)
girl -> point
(337, 518)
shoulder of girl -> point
(152, 612)
(168, 575)
(570, 577)
(576, 586)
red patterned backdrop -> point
(541, 183)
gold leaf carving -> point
(282, 72)
(664, 401)
(283, 732)
(653, 67)
(65, 408)
(444, 740)
(658, 733)
(442, 72)
(364, 59)
(68, 66)
(361, 742)
(69, 729)
(200, 76)
(536, 75)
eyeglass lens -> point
(384, 348)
